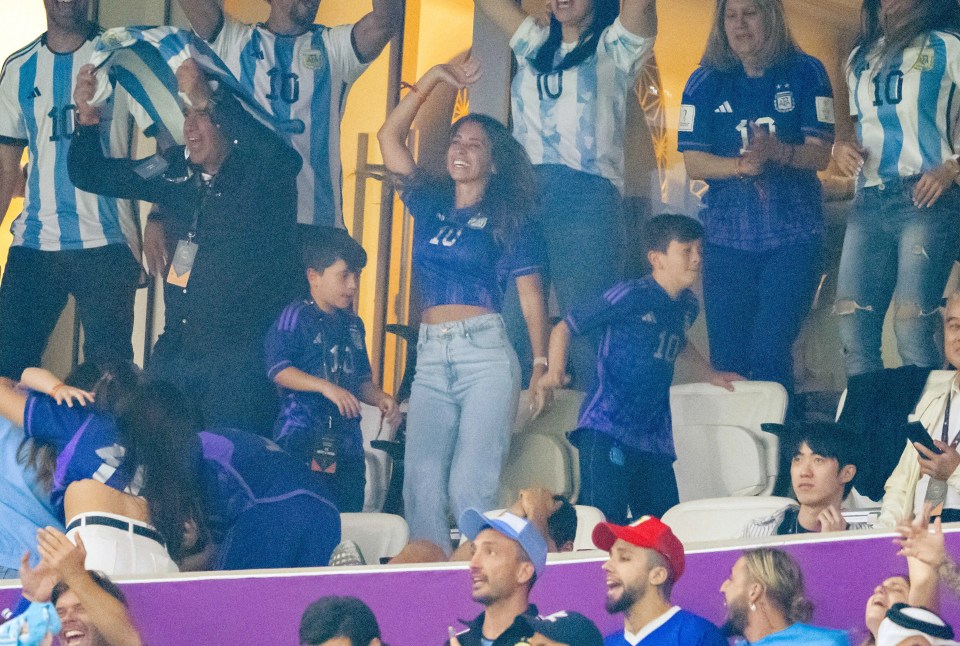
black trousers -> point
(616, 479)
(225, 378)
(34, 291)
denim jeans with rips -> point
(895, 251)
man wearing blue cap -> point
(509, 555)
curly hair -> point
(510, 196)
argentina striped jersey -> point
(37, 111)
(577, 117)
(907, 111)
(302, 80)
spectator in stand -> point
(509, 556)
(92, 609)
(300, 73)
(124, 482)
(569, 102)
(910, 626)
(25, 503)
(339, 621)
(766, 603)
(892, 591)
(472, 234)
(645, 562)
(563, 629)
(919, 542)
(66, 241)
(756, 124)
(624, 434)
(902, 235)
(236, 268)
(553, 516)
(821, 471)
(316, 352)
(923, 475)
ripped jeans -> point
(894, 250)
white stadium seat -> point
(721, 449)
(377, 535)
(587, 518)
(540, 455)
(719, 519)
(378, 462)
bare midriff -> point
(439, 314)
(91, 497)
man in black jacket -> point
(235, 268)
(509, 555)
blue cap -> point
(472, 522)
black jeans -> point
(615, 478)
(34, 292)
(224, 378)
(348, 483)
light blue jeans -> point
(462, 406)
(895, 251)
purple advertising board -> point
(415, 605)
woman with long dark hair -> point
(756, 123)
(569, 102)
(121, 480)
(903, 232)
(472, 234)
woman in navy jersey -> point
(902, 234)
(569, 103)
(756, 125)
(123, 482)
(472, 234)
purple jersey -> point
(244, 470)
(85, 442)
(783, 205)
(329, 346)
(643, 331)
(457, 259)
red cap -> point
(648, 532)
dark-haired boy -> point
(625, 435)
(317, 354)
(822, 472)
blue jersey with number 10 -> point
(720, 109)
(643, 330)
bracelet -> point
(736, 168)
(540, 361)
(414, 89)
(53, 391)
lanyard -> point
(945, 431)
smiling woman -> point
(472, 236)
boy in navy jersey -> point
(317, 354)
(624, 434)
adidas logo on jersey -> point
(724, 108)
(649, 318)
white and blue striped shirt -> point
(37, 111)
(577, 117)
(907, 113)
(303, 81)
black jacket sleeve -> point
(93, 172)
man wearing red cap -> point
(646, 559)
